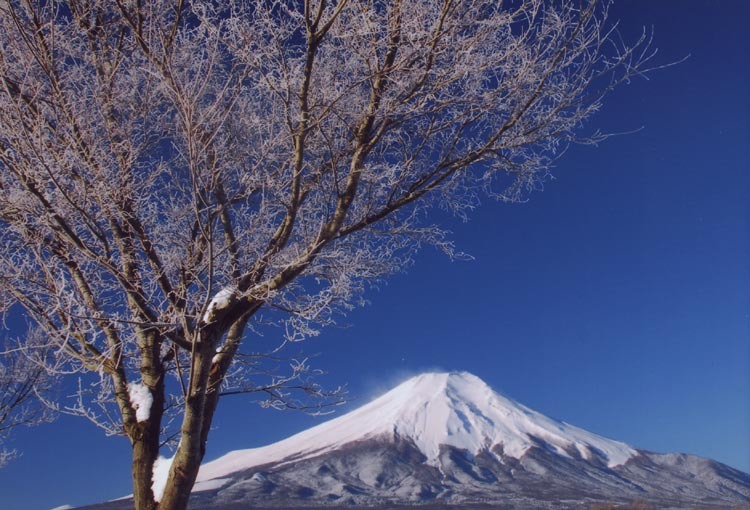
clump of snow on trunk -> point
(141, 400)
(221, 300)
(159, 478)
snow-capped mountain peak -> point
(432, 410)
(449, 438)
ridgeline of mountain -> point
(447, 440)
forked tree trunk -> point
(192, 448)
(199, 413)
(182, 475)
(145, 439)
(144, 456)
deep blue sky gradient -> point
(618, 299)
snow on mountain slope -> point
(433, 409)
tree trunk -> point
(184, 470)
(145, 437)
(187, 459)
(199, 412)
(144, 456)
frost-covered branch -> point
(24, 385)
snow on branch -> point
(141, 400)
(220, 301)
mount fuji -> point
(447, 440)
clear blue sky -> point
(617, 300)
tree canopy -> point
(175, 176)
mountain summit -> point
(435, 410)
(448, 439)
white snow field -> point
(456, 409)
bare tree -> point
(178, 175)
(24, 387)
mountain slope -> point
(434, 410)
(448, 440)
